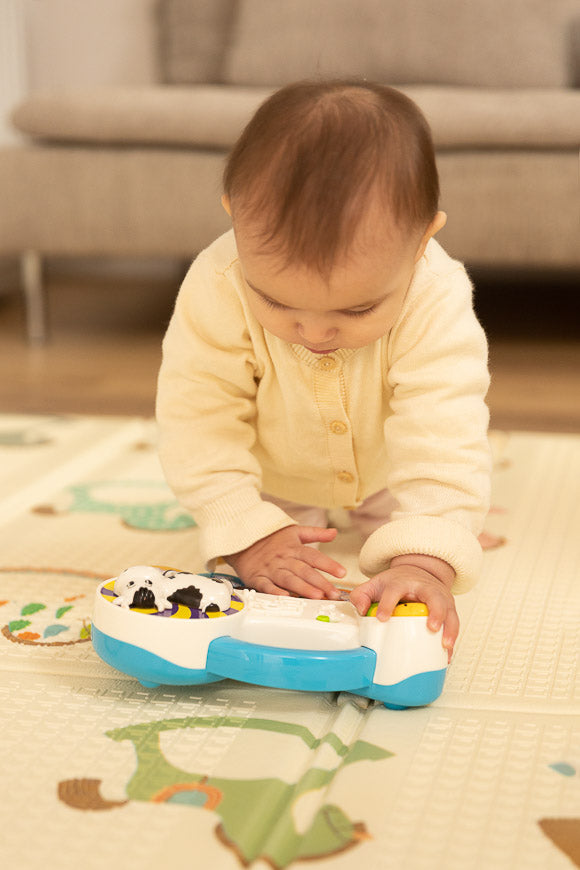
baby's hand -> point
(410, 578)
(281, 563)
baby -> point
(325, 354)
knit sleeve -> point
(206, 414)
(436, 436)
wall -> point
(13, 72)
(68, 44)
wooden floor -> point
(106, 330)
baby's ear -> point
(226, 204)
(436, 224)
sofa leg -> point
(35, 297)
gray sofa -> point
(135, 170)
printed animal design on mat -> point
(30, 431)
(266, 818)
(499, 443)
(141, 505)
(40, 624)
(147, 586)
(489, 541)
(564, 833)
(23, 438)
(35, 617)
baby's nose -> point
(316, 331)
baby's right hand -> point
(281, 563)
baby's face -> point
(358, 303)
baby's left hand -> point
(410, 578)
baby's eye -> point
(360, 313)
(272, 304)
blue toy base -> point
(151, 670)
(416, 691)
(345, 670)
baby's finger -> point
(319, 581)
(442, 613)
(315, 534)
(450, 630)
(305, 581)
(362, 597)
(298, 586)
(389, 600)
(265, 584)
(438, 606)
(374, 590)
(322, 562)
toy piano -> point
(167, 627)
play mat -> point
(98, 771)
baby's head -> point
(333, 192)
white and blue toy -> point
(168, 627)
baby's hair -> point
(313, 158)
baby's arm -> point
(206, 410)
(414, 577)
(281, 563)
(438, 453)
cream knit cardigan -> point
(242, 412)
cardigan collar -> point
(313, 359)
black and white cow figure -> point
(146, 586)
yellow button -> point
(338, 427)
(327, 363)
(345, 476)
(411, 608)
(407, 608)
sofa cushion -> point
(212, 116)
(491, 43)
(206, 116)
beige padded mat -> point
(94, 768)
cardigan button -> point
(338, 427)
(327, 363)
(345, 476)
